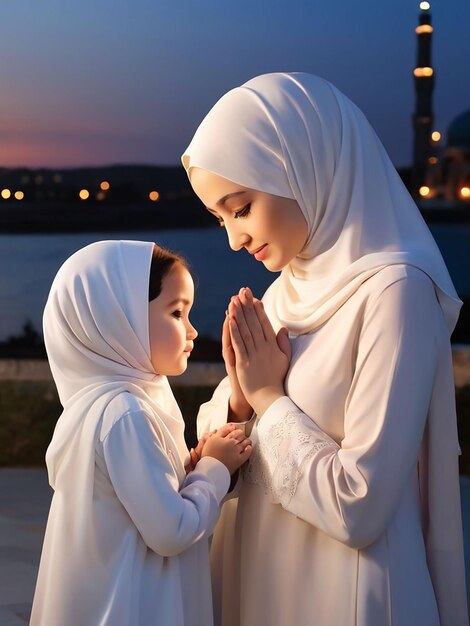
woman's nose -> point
(236, 238)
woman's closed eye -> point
(244, 212)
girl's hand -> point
(261, 358)
(230, 446)
(239, 408)
(195, 453)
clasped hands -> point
(256, 359)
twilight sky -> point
(97, 82)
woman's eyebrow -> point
(224, 199)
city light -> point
(84, 194)
(432, 160)
(464, 193)
(154, 195)
(104, 185)
(6, 193)
(19, 195)
(424, 191)
(424, 29)
(421, 72)
(436, 135)
(424, 6)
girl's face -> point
(171, 333)
(270, 227)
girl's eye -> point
(242, 212)
(177, 314)
(221, 222)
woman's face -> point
(270, 227)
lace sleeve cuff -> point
(284, 440)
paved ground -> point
(25, 498)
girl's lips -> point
(261, 253)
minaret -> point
(424, 84)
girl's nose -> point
(192, 332)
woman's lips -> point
(259, 253)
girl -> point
(126, 538)
(350, 501)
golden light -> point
(432, 160)
(154, 195)
(424, 28)
(19, 195)
(6, 193)
(100, 195)
(84, 194)
(421, 72)
(424, 6)
(464, 192)
(104, 185)
(436, 135)
(424, 191)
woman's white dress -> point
(332, 524)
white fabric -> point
(333, 523)
(297, 136)
(126, 539)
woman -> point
(348, 512)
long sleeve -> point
(169, 519)
(350, 490)
(213, 414)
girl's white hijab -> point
(297, 136)
(96, 331)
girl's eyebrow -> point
(224, 199)
(178, 300)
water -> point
(29, 263)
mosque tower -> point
(424, 84)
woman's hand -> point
(239, 409)
(261, 358)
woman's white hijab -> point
(96, 332)
(297, 136)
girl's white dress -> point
(126, 542)
(331, 524)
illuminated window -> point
(421, 72)
(104, 185)
(436, 136)
(6, 193)
(19, 195)
(154, 195)
(424, 191)
(84, 194)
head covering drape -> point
(97, 339)
(297, 136)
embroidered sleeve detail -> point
(277, 460)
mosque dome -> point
(458, 133)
